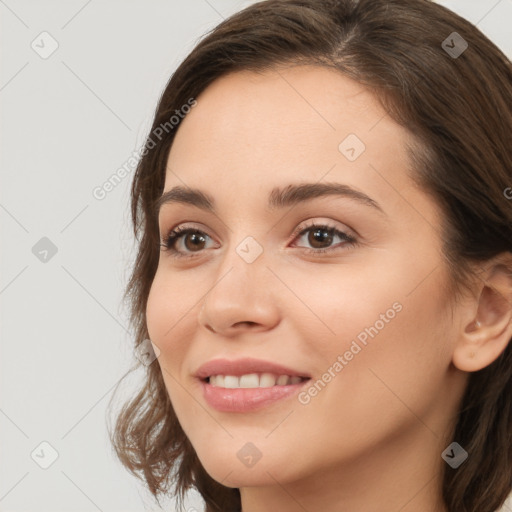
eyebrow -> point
(278, 198)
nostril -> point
(249, 324)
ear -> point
(486, 329)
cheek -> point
(158, 308)
(167, 316)
(333, 306)
(388, 296)
(393, 338)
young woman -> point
(324, 215)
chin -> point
(238, 470)
(237, 477)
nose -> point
(241, 298)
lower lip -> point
(246, 399)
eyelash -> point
(168, 242)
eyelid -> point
(318, 221)
(182, 226)
(314, 221)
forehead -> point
(310, 102)
(255, 131)
(290, 107)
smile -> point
(253, 380)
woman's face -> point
(359, 305)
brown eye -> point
(193, 240)
(185, 241)
(320, 238)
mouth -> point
(248, 384)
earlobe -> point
(471, 354)
(488, 331)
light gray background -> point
(69, 122)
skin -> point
(372, 438)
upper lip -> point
(238, 367)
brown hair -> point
(458, 108)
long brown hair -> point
(457, 103)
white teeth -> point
(267, 380)
(282, 380)
(231, 382)
(217, 380)
(253, 380)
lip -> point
(246, 399)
